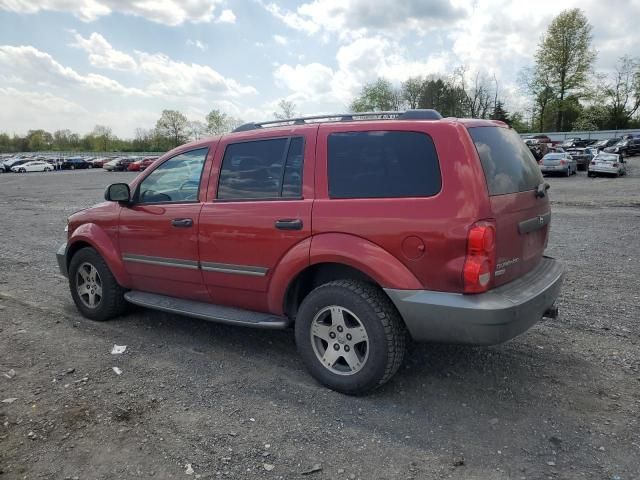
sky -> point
(77, 63)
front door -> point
(159, 231)
(260, 210)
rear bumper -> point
(483, 319)
(562, 169)
(596, 169)
(61, 256)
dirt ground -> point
(200, 400)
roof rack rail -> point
(416, 114)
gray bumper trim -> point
(482, 319)
(61, 256)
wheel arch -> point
(91, 235)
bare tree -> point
(287, 110)
(623, 91)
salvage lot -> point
(561, 401)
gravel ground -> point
(201, 400)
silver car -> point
(607, 164)
(558, 163)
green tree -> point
(412, 90)
(376, 97)
(499, 113)
(38, 140)
(102, 136)
(173, 126)
(566, 56)
(216, 122)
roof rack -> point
(417, 114)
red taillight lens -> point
(562, 162)
(480, 261)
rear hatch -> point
(521, 215)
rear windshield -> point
(508, 164)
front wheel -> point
(94, 289)
(350, 336)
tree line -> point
(172, 129)
(565, 93)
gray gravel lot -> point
(561, 401)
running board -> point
(207, 311)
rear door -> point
(522, 217)
(258, 211)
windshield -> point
(554, 156)
(622, 143)
(607, 158)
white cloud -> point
(354, 18)
(361, 61)
(227, 16)
(102, 54)
(170, 77)
(198, 44)
(168, 12)
(26, 64)
(280, 40)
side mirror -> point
(118, 192)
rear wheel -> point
(94, 289)
(350, 336)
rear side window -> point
(382, 164)
(262, 169)
(508, 164)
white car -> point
(607, 164)
(34, 166)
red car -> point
(356, 232)
(141, 165)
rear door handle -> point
(182, 222)
(289, 224)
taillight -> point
(615, 164)
(593, 163)
(480, 261)
(562, 162)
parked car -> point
(99, 161)
(33, 166)
(607, 164)
(582, 156)
(381, 226)
(573, 143)
(110, 165)
(75, 163)
(539, 138)
(602, 144)
(123, 164)
(13, 162)
(625, 148)
(558, 163)
(142, 164)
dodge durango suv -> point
(360, 231)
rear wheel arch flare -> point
(315, 275)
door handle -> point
(182, 222)
(289, 224)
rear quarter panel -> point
(440, 222)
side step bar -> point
(207, 311)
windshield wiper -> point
(541, 191)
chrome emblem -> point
(541, 220)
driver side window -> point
(175, 181)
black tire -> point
(385, 330)
(112, 302)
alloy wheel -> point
(89, 285)
(340, 341)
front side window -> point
(262, 169)
(175, 181)
(382, 164)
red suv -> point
(358, 230)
